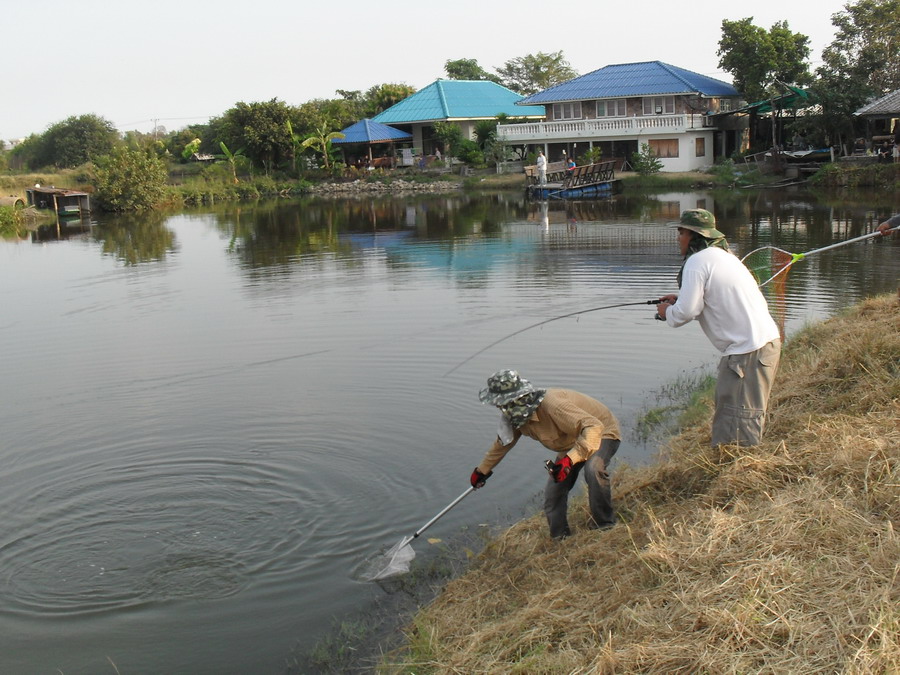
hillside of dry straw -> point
(778, 559)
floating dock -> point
(590, 180)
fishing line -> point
(545, 321)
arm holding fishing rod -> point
(662, 306)
(890, 225)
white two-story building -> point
(619, 108)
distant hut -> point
(369, 133)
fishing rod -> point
(541, 323)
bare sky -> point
(181, 62)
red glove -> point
(477, 479)
(561, 469)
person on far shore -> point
(541, 168)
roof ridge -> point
(671, 70)
(442, 98)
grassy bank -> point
(781, 558)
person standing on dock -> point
(582, 432)
(721, 293)
(541, 168)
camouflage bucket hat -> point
(503, 387)
(700, 221)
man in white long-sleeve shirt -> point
(719, 292)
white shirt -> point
(719, 291)
(541, 162)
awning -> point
(795, 99)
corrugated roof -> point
(457, 99)
(648, 78)
(887, 105)
(367, 131)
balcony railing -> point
(598, 128)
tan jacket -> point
(566, 421)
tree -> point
(468, 69)
(535, 72)
(450, 136)
(67, 144)
(260, 128)
(866, 45)
(333, 113)
(861, 63)
(756, 58)
(191, 149)
(130, 180)
(485, 131)
(645, 162)
(383, 96)
(320, 141)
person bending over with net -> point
(717, 290)
(582, 432)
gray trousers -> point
(742, 395)
(556, 495)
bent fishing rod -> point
(793, 256)
(545, 321)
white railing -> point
(616, 126)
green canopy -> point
(795, 99)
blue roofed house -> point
(463, 102)
(619, 108)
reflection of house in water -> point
(64, 202)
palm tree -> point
(320, 141)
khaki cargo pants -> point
(742, 395)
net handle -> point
(443, 512)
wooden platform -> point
(590, 180)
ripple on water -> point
(112, 538)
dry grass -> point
(779, 559)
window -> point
(667, 147)
(614, 108)
(701, 147)
(659, 105)
(567, 111)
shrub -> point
(645, 162)
(130, 180)
(591, 156)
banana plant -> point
(320, 141)
(232, 158)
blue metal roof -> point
(648, 78)
(457, 99)
(367, 131)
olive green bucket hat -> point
(700, 221)
(504, 386)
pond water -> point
(211, 420)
